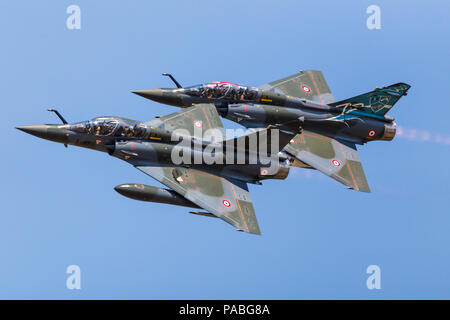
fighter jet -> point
(328, 131)
(166, 149)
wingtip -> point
(365, 190)
(256, 232)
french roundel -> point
(306, 89)
(372, 133)
(336, 163)
(226, 203)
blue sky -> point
(58, 206)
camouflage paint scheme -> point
(220, 189)
(328, 131)
(315, 133)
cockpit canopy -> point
(223, 90)
(109, 126)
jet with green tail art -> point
(327, 131)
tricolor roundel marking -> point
(336, 163)
(306, 89)
(226, 203)
(264, 172)
(198, 124)
(372, 133)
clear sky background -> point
(58, 205)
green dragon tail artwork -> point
(378, 101)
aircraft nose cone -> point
(166, 96)
(36, 130)
(152, 94)
(46, 131)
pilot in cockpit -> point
(209, 92)
(241, 93)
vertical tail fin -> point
(378, 101)
(274, 139)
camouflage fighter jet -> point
(219, 187)
(328, 131)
